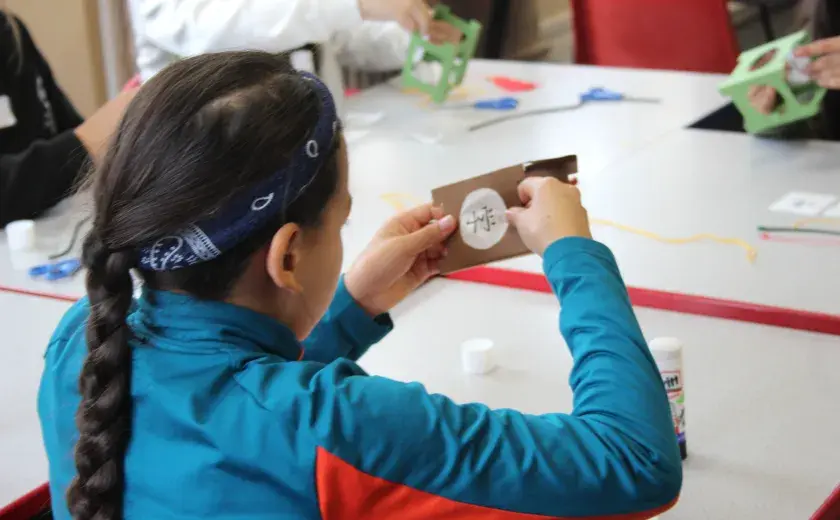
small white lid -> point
(665, 344)
(477, 356)
(21, 234)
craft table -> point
(761, 441)
(393, 154)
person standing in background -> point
(822, 19)
(364, 35)
(44, 142)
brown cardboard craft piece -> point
(482, 219)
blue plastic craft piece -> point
(57, 270)
(601, 94)
(505, 103)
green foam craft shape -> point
(797, 101)
(452, 57)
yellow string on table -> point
(700, 237)
(396, 201)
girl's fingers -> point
(767, 101)
(819, 47)
(422, 16)
(827, 63)
(442, 32)
(829, 80)
(407, 22)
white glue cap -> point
(667, 352)
(21, 234)
(666, 344)
(477, 356)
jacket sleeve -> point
(387, 446)
(346, 331)
(37, 178)
(66, 116)
(192, 27)
(372, 46)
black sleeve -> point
(66, 116)
(37, 178)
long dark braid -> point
(197, 134)
(104, 415)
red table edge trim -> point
(830, 509)
(671, 301)
(29, 505)
(654, 299)
(38, 294)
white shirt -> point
(166, 30)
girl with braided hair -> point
(229, 389)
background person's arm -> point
(192, 27)
(66, 116)
(37, 178)
(372, 47)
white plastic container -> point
(667, 352)
(21, 235)
(477, 356)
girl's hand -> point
(552, 211)
(401, 257)
(763, 98)
(825, 70)
(412, 15)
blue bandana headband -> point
(208, 239)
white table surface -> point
(761, 439)
(759, 448)
(387, 158)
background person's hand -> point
(763, 98)
(96, 130)
(825, 69)
(400, 258)
(442, 32)
(552, 211)
(412, 15)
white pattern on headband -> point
(261, 203)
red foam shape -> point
(672, 301)
(511, 84)
(33, 503)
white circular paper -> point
(482, 219)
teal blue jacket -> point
(234, 419)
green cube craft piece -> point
(453, 58)
(766, 65)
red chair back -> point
(689, 35)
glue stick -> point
(667, 352)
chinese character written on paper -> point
(483, 219)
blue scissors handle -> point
(504, 103)
(601, 94)
(57, 270)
